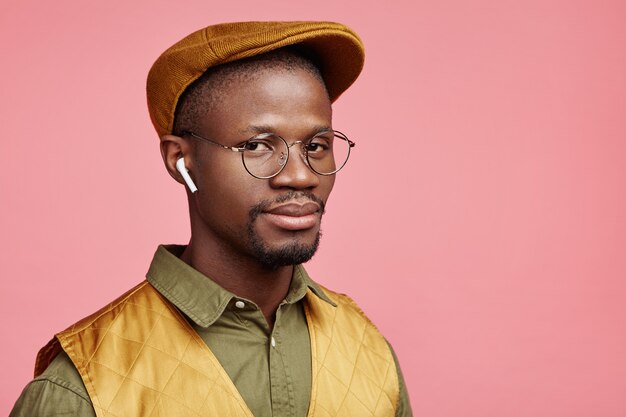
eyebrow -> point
(258, 129)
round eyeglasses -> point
(265, 155)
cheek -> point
(227, 189)
(326, 186)
(218, 171)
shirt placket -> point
(281, 383)
(282, 397)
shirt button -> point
(273, 342)
(240, 304)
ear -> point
(173, 148)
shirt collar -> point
(202, 299)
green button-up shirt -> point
(271, 368)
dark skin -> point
(293, 104)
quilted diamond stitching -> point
(135, 359)
(329, 347)
(368, 362)
(179, 359)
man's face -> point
(273, 221)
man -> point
(231, 324)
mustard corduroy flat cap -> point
(338, 49)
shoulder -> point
(58, 387)
(342, 316)
(100, 320)
(140, 291)
(345, 303)
(59, 390)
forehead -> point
(288, 101)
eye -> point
(319, 145)
(258, 145)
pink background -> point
(481, 222)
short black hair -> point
(208, 89)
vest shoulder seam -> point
(92, 318)
(347, 301)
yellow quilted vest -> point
(139, 357)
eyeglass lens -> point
(326, 153)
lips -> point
(295, 209)
(294, 216)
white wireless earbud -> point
(180, 167)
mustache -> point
(264, 205)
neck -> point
(244, 277)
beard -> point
(288, 254)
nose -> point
(296, 174)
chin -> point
(291, 253)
